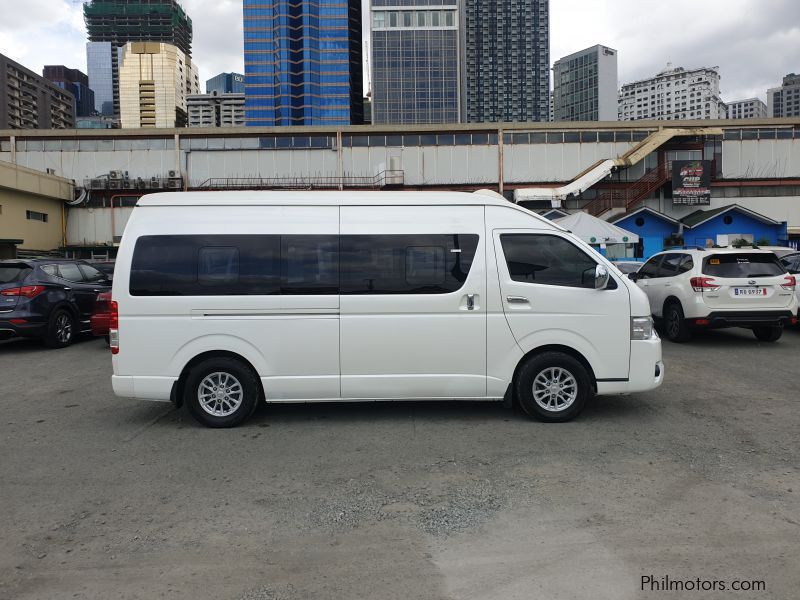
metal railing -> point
(394, 177)
(629, 196)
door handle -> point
(517, 300)
(470, 301)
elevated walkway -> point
(603, 168)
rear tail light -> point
(791, 283)
(113, 328)
(26, 291)
(704, 284)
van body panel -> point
(426, 345)
(595, 323)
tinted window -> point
(670, 265)
(791, 263)
(310, 264)
(406, 264)
(650, 268)
(742, 265)
(50, 270)
(70, 272)
(206, 265)
(548, 260)
(91, 274)
(687, 264)
(12, 274)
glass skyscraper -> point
(506, 60)
(302, 62)
(415, 50)
(226, 83)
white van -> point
(224, 299)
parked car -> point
(101, 315)
(106, 267)
(779, 251)
(51, 299)
(222, 299)
(721, 287)
(627, 266)
(791, 262)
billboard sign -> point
(691, 182)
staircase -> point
(629, 196)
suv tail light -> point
(791, 283)
(703, 284)
(26, 291)
(113, 328)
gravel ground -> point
(110, 498)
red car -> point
(101, 314)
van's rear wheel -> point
(768, 334)
(221, 392)
(553, 387)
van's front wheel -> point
(553, 387)
(221, 392)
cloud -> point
(218, 40)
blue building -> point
(302, 62)
(655, 229)
(724, 226)
(226, 83)
(75, 82)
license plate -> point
(750, 291)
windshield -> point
(11, 274)
(742, 265)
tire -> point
(768, 334)
(61, 329)
(676, 329)
(558, 404)
(237, 385)
(108, 339)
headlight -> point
(642, 328)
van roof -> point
(324, 198)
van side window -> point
(406, 264)
(218, 266)
(309, 264)
(547, 260)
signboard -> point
(691, 182)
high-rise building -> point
(216, 110)
(113, 23)
(505, 60)
(29, 101)
(415, 62)
(784, 101)
(585, 86)
(302, 62)
(674, 94)
(752, 108)
(154, 81)
(226, 83)
(75, 82)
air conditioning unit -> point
(115, 184)
(175, 184)
(115, 175)
(174, 174)
(98, 184)
(139, 183)
(155, 183)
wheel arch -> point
(670, 300)
(176, 395)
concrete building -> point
(31, 209)
(505, 60)
(415, 62)
(226, 83)
(155, 79)
(302, 62)
(216, 110)
(784, 101)
(75, 82)
(585, 86)
(674, 94)
(752, 108)
(113, 23)
(29, 101)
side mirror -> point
(633, 276)
(601, 277)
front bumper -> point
(646, 370)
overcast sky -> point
(753, 42)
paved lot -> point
(108, 498)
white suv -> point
(719, 287)
(791, 263)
